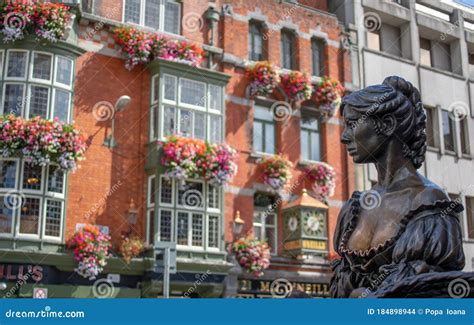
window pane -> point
(169, 121)
(55, 180)
(213, 232)
(425, 51)
(154, 122)
(215, 97)
(305, 144)
(64, 71)
(8, 173)
(151, 226)
(464, 136)
(448, 131)
(42, 66)
(14, 100)
(270, 237)
(29, 216)
(182, 228)
(170, 88)
(263, 113)
(17, 64)
(61, 104)
(269, 138)
(172, 17)
(132, 11)
(317, 56)
(373, 41)
(213, 197)
(257, 232)
(199, 125)
(165, 225)
(309, 122)
(6, 217)
(270, 219)
(31, 177)
(166, 191)
(53, 218)
(286, 50)
(39, 101)
(258, 136)
(255, 42)
(429, 127)
(315, 146)
(391, 40)
(185, 122)
(197, 230)
(151, 190)
(152, 13)
(470, 216)
(192, 92)
(191, 195)
(215, 129)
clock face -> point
(314, 223)
(293, 223)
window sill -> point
(450, 153)
(433, 149)
(447, 73)
(305, 163)
(466, 156)
(389, 56)
(258, 155)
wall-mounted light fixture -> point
(238, 224)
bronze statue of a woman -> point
(402, 238)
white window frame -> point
(53, 104)
(22, 179)
(207, 217)
(161, 18)
(25, 91)
(264, 139)
(71, 79)
(49, 108)
(150, 207)
(26, 65)
(2, 60)
(51, 70)
(191, 106)
(40, 220)
(172, 226)
(54, 195)
(173, 193)
(263, 225)
(162, 89)
(311, 130)
(44, 207)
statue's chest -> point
(374, 227)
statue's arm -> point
(429, 244)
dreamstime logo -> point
(192, 22)
(192, 199)
(458, 288)
(14, 21)
(281, 288)
(13, 200)
(371, 22)
(281, 111)
(103, 288)
(370, 200)
(103, 111)
(458, 111)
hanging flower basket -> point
(296, 85)
(46, 20)
(40, 142)
(276, 171)
(328, 95)
(91, 250)
(263, 78)
(186, 158)
(323, 177)
(131, 247)
(253, 255)
(143, 47)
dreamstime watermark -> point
(282, 111)
(375, 280)
(192, 22)
(370, 200)
(103, 288)
(281, 288)
(458, 111)
(14, 21)
(288, 13)
(103, 199)
(459, 288)
(18, 284)
(103, 111)
(200, 278)
(192, 199)
(371, 21)
(13, 200)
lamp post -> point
(119, 106)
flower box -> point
(253, 255)
(323, 177)
(276, 171)
(263, 78)
(328, 95)
(40, 142)
(296, 85)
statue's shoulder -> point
(429, 194)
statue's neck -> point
(391, 162)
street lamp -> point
(238, 224)
(119, 106)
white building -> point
(431, 44)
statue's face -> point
(364, 145)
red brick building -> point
(122, 187)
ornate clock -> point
(305, 231)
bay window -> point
(189, 214)
(186, 107)
(31, 200)
(163, 15)
(36, 83)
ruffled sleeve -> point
(432, 242)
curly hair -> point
(399, 98)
